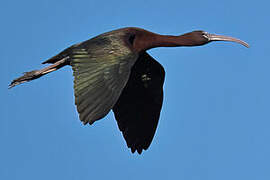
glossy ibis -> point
(114, 71)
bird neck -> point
(172, 41)
(147, 40)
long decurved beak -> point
(215, 37)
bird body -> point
(113, 71)
(110, 45)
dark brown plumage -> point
(113, 71)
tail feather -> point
(31, 75)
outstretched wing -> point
(99, 78)
(138, 108)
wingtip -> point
(139, 151)
(134, 149)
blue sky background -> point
(215, 119)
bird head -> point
(198, 38)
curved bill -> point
(214, 37)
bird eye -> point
(131, 39)
(205, 34)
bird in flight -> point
(113, 71)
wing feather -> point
(98, 82)
(138, 108)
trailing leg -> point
(29, 76)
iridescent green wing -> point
(138, 108)
(99, 78)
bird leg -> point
(31, 75)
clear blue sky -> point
(215, 121)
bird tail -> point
(31, 75)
